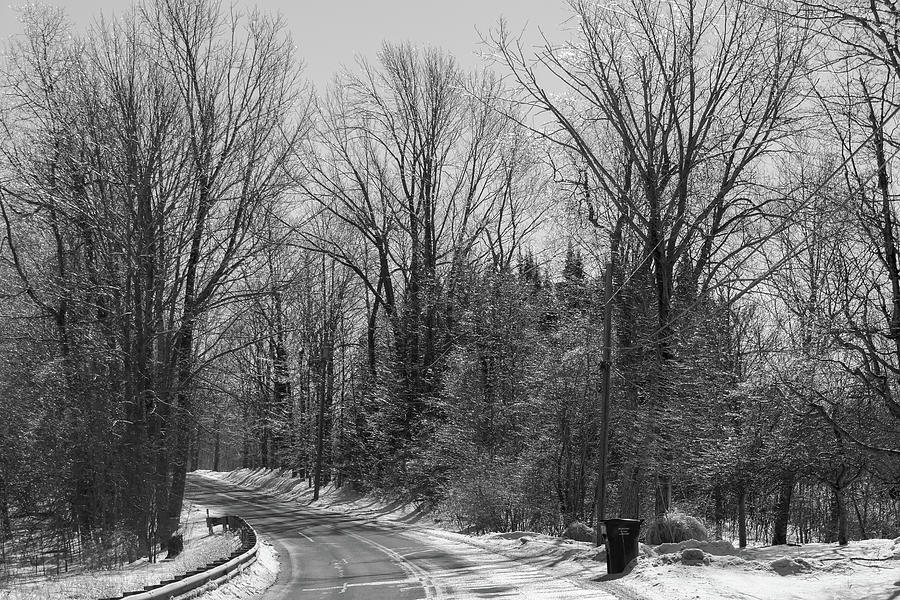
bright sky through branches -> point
(329, 34)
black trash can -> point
(621, 542)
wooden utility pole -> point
(600, 494)
(323, 373)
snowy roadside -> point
(865, 570)
(276, 484)
(200, 548)
(255, 580)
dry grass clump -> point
(673, 527)
(580, 532)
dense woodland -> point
(400, 283)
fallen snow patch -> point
(792, 566)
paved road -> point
(333, 555)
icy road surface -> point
(333, 555)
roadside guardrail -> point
(217, 572)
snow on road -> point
(480, 573)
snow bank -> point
(252, 582)
(279, 484)
(716, 548)
(792, 566)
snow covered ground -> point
(863, 570)
(279, 484)
(252, 582)
(199, 549)
(867, 570)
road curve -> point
(333, 555)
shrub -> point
(580, 532)
(675, 526)
(477, 499)
(496, 495)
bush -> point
(496, 495)
(479, 498)
(579, 532)
(674, 527)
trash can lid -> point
(622, 521)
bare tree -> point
(687, 98)
(168, 141)
(422, 165)
(239, 92)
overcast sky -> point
(329, 33)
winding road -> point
(334, 555)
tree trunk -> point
(630, 492)
(783, 508)
(5, 524)
(324, 391)
(320, 444)
(742, 515)
(245, 449)
(890, 254)
(178, 468)
(861, 516)
(719, 509)
(371, 331)
(662, 273)
(604, 399)
(178, 432)
(195, 447)
(839, 514)
(217, 446)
